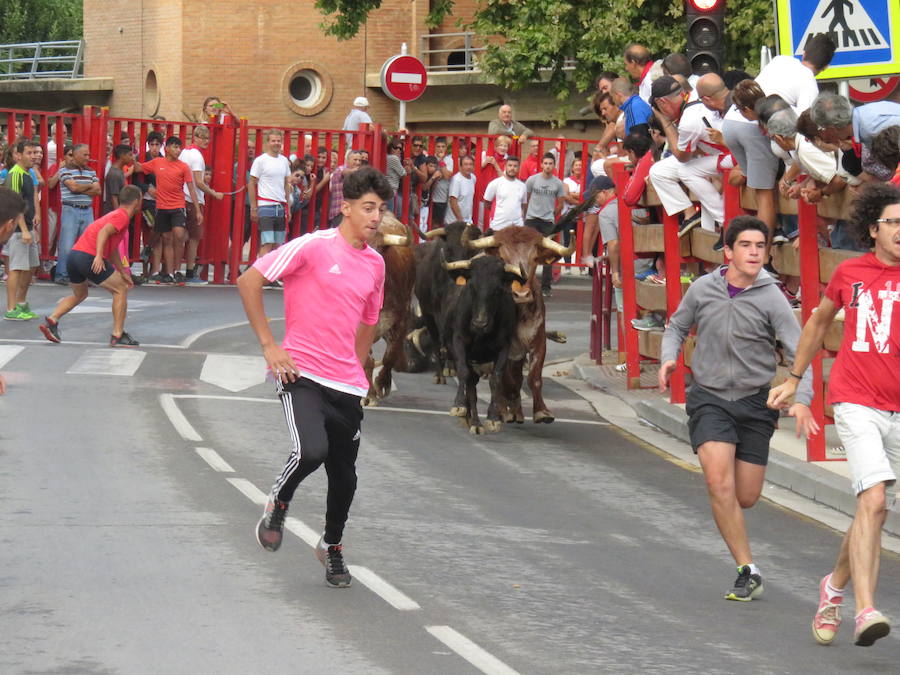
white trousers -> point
(665, 176)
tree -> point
(40, 21)
(537, 36)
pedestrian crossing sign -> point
(866, 32)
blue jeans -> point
(74, 223)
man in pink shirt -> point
(333, 291)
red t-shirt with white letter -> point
(867, 365)
(330, 287)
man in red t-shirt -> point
(865, 391)
(95, 257)
(172, 175)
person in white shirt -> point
(462, 192)
(694, 156)
(441, 187)
(193, 157)
(268, 188)
(511, 196)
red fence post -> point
(629, 288)
(672, 244)
(240, 185)
(218, 211)
(809, 298)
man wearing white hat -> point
(358, 115)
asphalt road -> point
(128, 501)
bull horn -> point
(395, 240)
(557, 248)
(484, 242)
(439, 232)
(517, 270)
(457, 265)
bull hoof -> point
(447, 372)
(458, 411)
(519, 418)
(508, 417)
(439, 379)
(543, 417)
(493, 426)
(476, 430)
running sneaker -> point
(648, 323)
(14, 314)
(689, 224)
(50, 329)
(332, 557)
(720, 242)
(547, 293)
(871, 625)
(827, 620)
(178, 278)
(124, 340)
(25, 313)
(778, 237)
(746, 587)
(195, 281)
(270, 528)
(163, 279)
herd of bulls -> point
(467, 303)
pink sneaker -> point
(870, 626)
(827, 620)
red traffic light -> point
(706, 5)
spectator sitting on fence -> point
(614, 119)
(638, 62)
(884, 157)
(336, 186)
(637, 112)
(505, 125)
(679, 65)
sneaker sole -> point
(47, 334)
(685, 230)
(757, 592)
(871, 633)
(819, 639)
(320, 556)
(258, 541)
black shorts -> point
(747, 422)
(79, 267)
(168, 219)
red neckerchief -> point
(645, 71)
(607, 202)
(857, 148)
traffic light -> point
(706, 35)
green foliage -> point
(539, 36)
(40, 20)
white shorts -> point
(871, 438)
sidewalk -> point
(827, 483)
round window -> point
(305, 88)
(151, 94)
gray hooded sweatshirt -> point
(735, 352)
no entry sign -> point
(403, 78)
(872, 89)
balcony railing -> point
(460, 58)
(32, 60)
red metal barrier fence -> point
(229, 241)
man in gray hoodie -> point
(739, 312)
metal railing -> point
(466, 61)
(32, 60)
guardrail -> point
(459, 58)
(36, 60)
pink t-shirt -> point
(329, 289)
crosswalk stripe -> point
(117, 362)
(8, 353)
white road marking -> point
(252, 399)
(214, 459)
(193, 337)
(395, 598)
(233, 372)
(118, 362)
(7, 354)
(478, 657)
(88, 344)
(177, 418)
(249, 490)
(387, 592)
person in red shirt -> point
(493, 164)
(95, 257)
(531, 165)
(865, 391)
(172, 175)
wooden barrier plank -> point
(786, 259)
(833, 206)
(653, 296)
(830, 258)
(651, 239)
(650, 343)
(833, 336)
(702, 242)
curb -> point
(807, 480)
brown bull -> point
(394, 243)
(525, 248)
